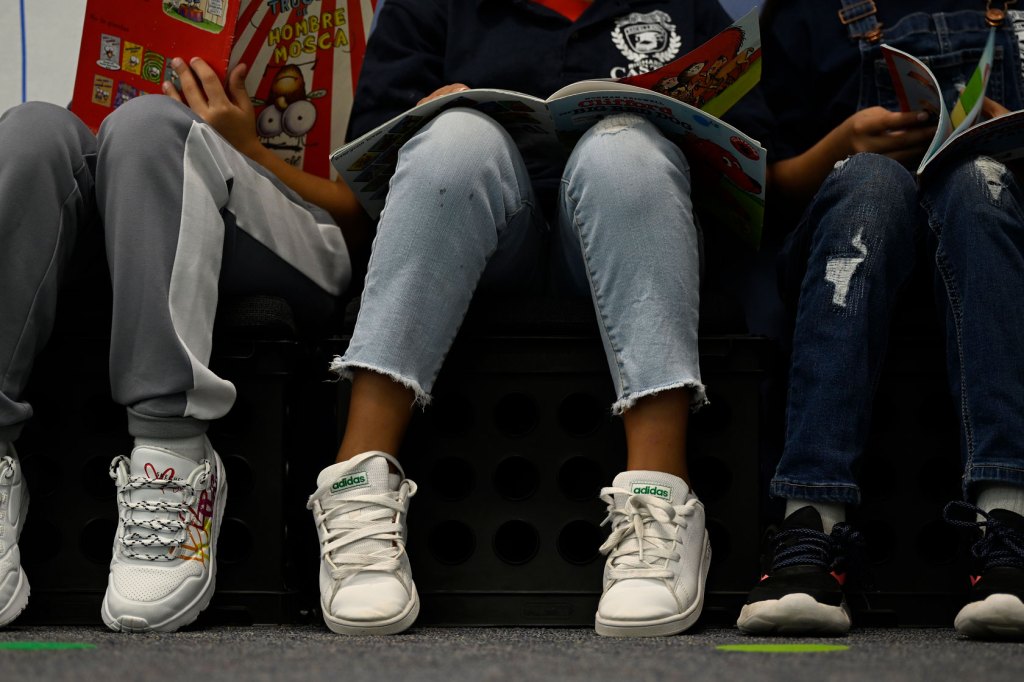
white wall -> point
(53, 29)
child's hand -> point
(454, 87)
(229, 111)
(992, 109)
(902, 136)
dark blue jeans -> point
(860, 237)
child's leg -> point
(975, 214)
(186, 217)
(629, 239)
(46, 206)
(862, 249)
(460, 213)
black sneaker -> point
(996, 607)
(803, 573)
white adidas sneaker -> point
(360, 510)
(13, 508)
(658, 556)
(164, 566)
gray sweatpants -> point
(183, 217)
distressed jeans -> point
(858, 237)
(461, 214)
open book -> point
(683, 98)
(303, 60)
(958, 132)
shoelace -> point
(999, 546)
(339, 528)
(131, 535)
(807, 547)
(7, 467)
(649, 521)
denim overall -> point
(859, 240)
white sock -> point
(831, 512)
(1001, 496)
(193, 447)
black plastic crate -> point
(511, 454)
(66, 450)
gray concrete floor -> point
(495, 654)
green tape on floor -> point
(783, 648)
(44, 646)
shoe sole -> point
(998, 616)
(661, 627)
(392, 626)
(18, 602)
(136, 624)
(797, 613)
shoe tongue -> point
(160, 463)
(804, 517)
(357, 477)
(1009, 518)
(151, 462)
(657, 484)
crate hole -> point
(451, 542)
(580, 478)
(516, 542)
(581, 414)
(41, 541)
(452, 478)
(516, 414)
(97, 539)
(578, 542)
(239, 475)
(516, 478)
(235, 541)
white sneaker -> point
(658, 556)
(13, 507)
(360, 510)
(164, 566)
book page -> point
(999, 138)
(968, 106)
(917, 90)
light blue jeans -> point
(461, 214)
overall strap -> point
(859, 18)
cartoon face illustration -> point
(289, 110)
(693, 70)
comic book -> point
(303, 56)
(958, 132)
(684, 99)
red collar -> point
(570, 9)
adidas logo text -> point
(651, 489)
(355, 480)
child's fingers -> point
(171, 91)
(209, 79)
(191, 91)
(993, 109)
(236, 84)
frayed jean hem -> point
(343, 368)
(697, 401)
